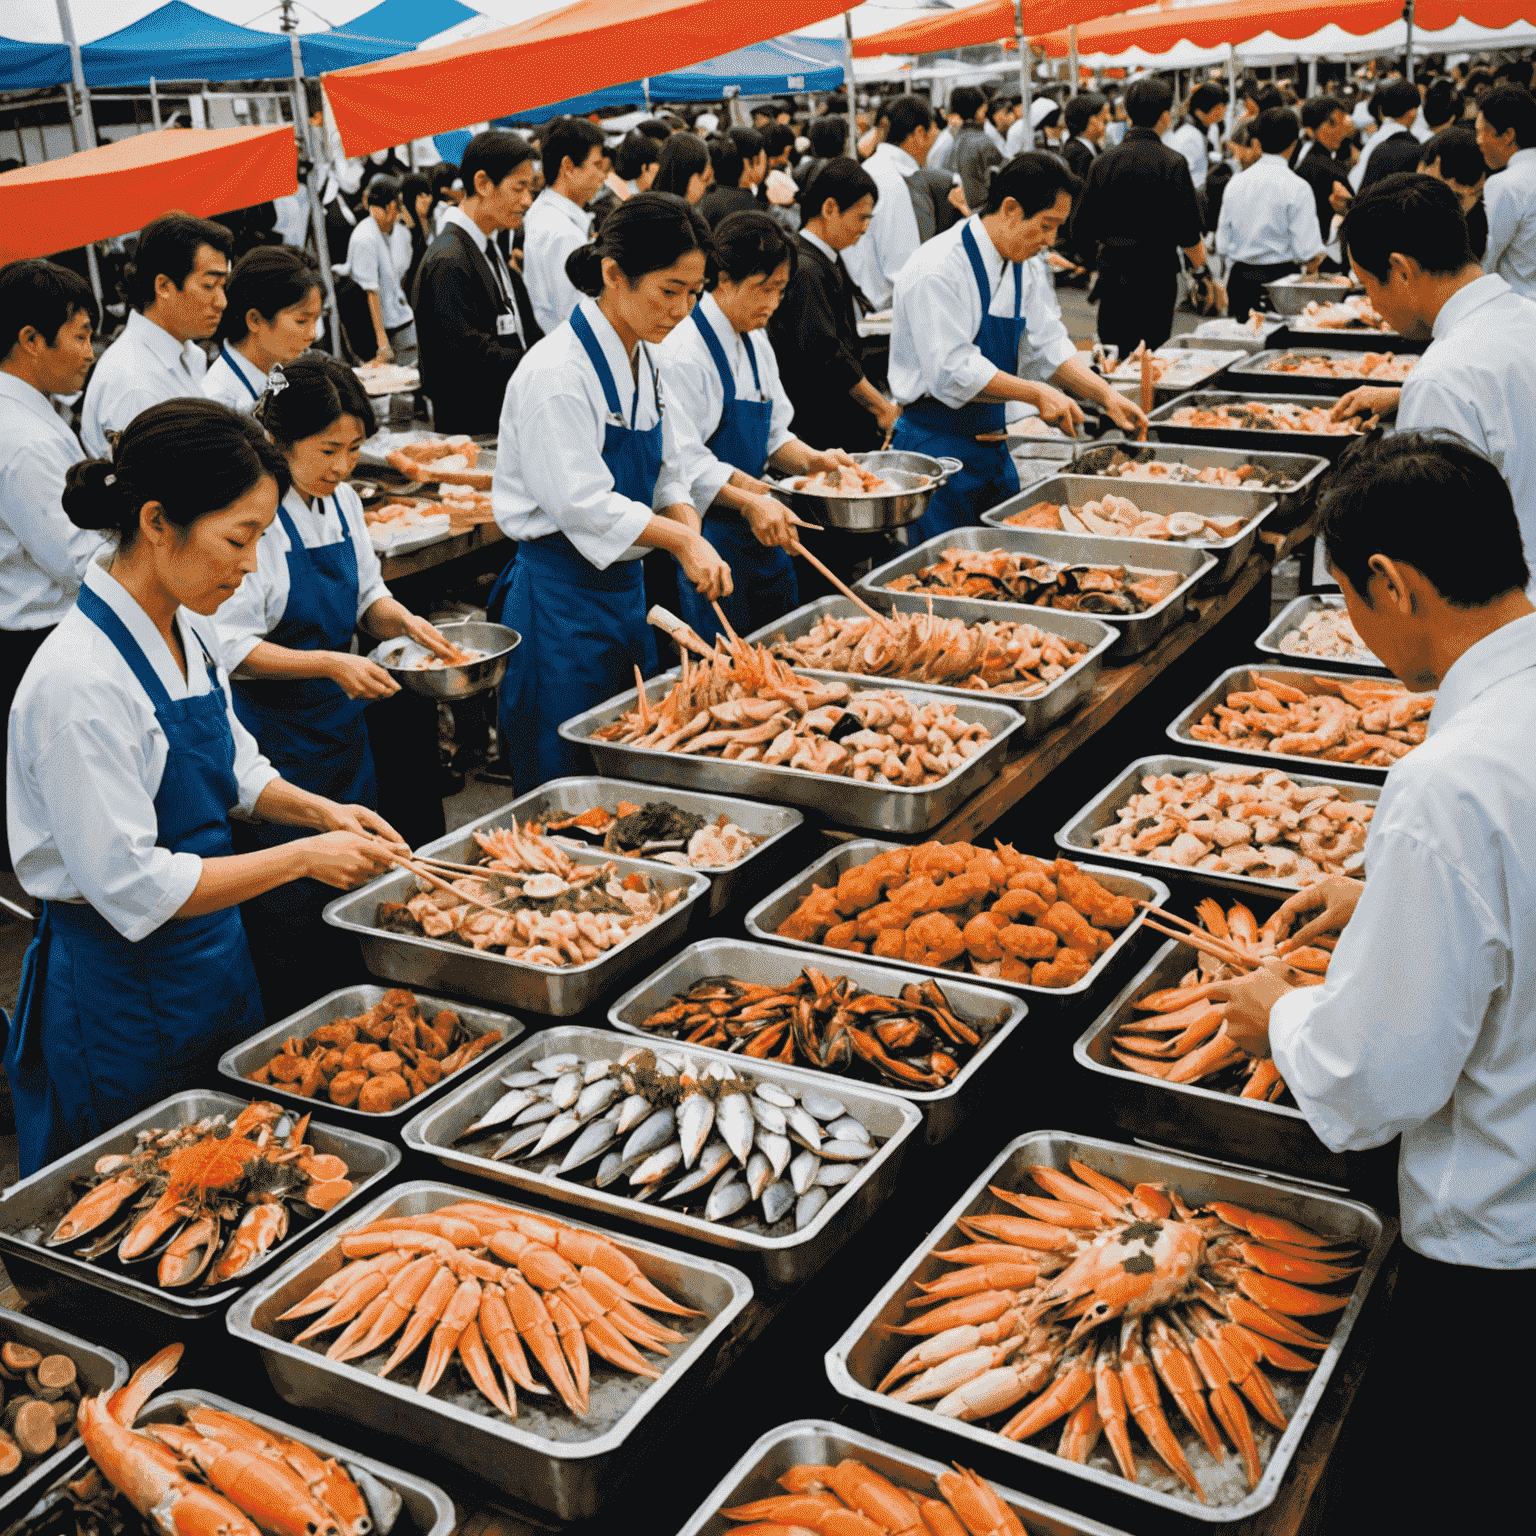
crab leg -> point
(1177, 1372)
(500, 1336)
(623, 1313)
(462, 1309)
(985, 1307)
(977, 1504)
(1261, 1320)
(478, 1363)
(1227, 1405)
(1021, 1231)
(1281, 1266)
(973, 1278)
(1055, 1182)
(573, 1342)
(1109, 1401)
(339, 1284)
(1056, 1213)
(876, 1498)
(349, 1304)
(1074, 1381)
(429, 1311)
(999, 1389)
(1141, 1397)
(944, 1346)
(1081, 1432)
(1267, 1228)
(1282, 1296)
(1240, 1353)
(405, 1290)
(534, 1326)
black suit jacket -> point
(1322, 172)
(465, 365)
(1079, 156)
(1399, 153)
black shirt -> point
(1321, 172)
(1138, 204)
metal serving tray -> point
(772, 823)
(1259, 373)
(1040, 712)
(1319, 444)
(1076, 838)
(1233, 680)
(818, 1443)
(35, 1204)
(782, 1260)
(1292, 294)
(858, 1361)
(347, 1003)
(1290, 617)
(764, 919)
(96, 1370)
(1292, 335)
(1138, 632)
(877, 807)
(773, 965)
(415, 961)
(1302, 469)
(547, 1457)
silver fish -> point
(804, 1127)
(695, 1120)
(771, 1093)
(759, 1174)
(803, 1171)
(567, 1090)
(777, 1199)
(556, 1131)
(848, 1129)
(596, 1097)
(504, 1108)
(725, 1200)
(518, 1141)
(595, 1138)
(596, 1070)
(540, 1109)
(846, 1151)
(658, 1165)
(769, 1116)
(655, 1131)
(733, 1117)
(555, 1066)
(711, 1160)
(632, 1111)
(822, 1105)
(522, 1079)
(808, 1207)
(779, 1150)
(610, 1169)
(831, 1175)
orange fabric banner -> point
(978, 24)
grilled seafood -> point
(1326, 634)
(1001, 576)
(1379, 367)
(658, 831)
(1118, 517)
(1267, 416)
(1101, 1293)
(1370, 722)
(1128, 462)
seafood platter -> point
(1046, 929)
(888, 489)
(931, 1043)
(776, 1164)
(387, 378)
(1321, 371)
(171, 1214)
(1136, 586)
(1019, 1320)
(1352, 324)
(1174, 367)
(1252, 334)
(1290, 423)
(1314, 628)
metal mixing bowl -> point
(496, 640)
(1291, 295)
(918, 475)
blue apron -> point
(584, 630)
(928, 427)
(763, 577)
(104, 1027)
(234, 368)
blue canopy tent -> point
(32, 66)
(412, 21)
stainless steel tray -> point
(764, 919)
(1290, 616)
(877, 807)
(1138, 632)
(781, 1260)
(1319, 444)
(819, 1443)
(35, 1204)
(347, 1003)
(416, 961)
(773, 965)
(546, 1457)
(96, 1370)
(1040, 712)
(1292, 294)
(772, 823)
(1076, 838)
(1259, 373)
(1193, 1118)
(1347, 341)
(858, 1361)
(1234, 678)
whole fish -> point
(695, 1120)
(803, 1171)
(777, 1199)
(808, 1206)
(658, 1165)
(594, 1139)
(733, 1116)
(712, 1159)
(726, 1199)
(655, 1131)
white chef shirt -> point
(1426, 1024)
(258, 607)
(86, 759)
(692, 386)
(42, 554)
(492, 253)
(1390, 129)
(937, 312)
(1510, 201)
(892, 237)
(371, 264)
(1268, 214)
(553, 227)
(227, 379)
(1190, 141)
(550, 476)
(144, 366)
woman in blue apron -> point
(272, 311)
(126, 762)
(975, 324)
(725, 382)
(590, 474)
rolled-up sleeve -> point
(942, 321)
(688, 411)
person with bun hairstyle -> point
(126, 762)
(272, 310)
(736, 415)
(591, 471)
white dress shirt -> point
(550, 476)
(553, 227)
(990, 129)
(1390, 129)
(492, 253)
(1268, 214)
(371, 265)
(42, 554)
(144, 366)
(1510, 201)
(1190, 141)
(937, 313)
(692, 386)
(892, 237)
(86, 759)
(1426, 1025)
(941, 151)
(258, 607)
(1019, 137)
(234, 380)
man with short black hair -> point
(1087, 118)
(894, 234)
(1325, 125)
(575, 160)
(174, 286)
(1397, 102)
(1002, 113)
(975, 154)
(1452, 156)
(1506, 134)
(739, 158)
(1207, 106)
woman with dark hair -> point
(416, 202)
(273, 308)
(736, 415)
(126, 761)
(684, 169)
(590, 473)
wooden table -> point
(397, 567)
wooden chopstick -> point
(858, 602)
(423, 873)
(1205, 944)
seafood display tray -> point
(110, 1300)
(782, 1260)
(873, 807)
(1040, 712)
(772, 965)
(568, 1466)
(1318, 444)
(1291, 295)
(1234, 678)
(819, 1443)
(347, 1003)
(1076, 838)
(413, 960)
(1290, 618)
(1259, 373)
(764, 919)
(96, 1370)
(1137, 631)
(1347, 341)
(773, 823)
(862, 1356)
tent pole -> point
(154, 104)
(1074, 70)
(1408, 19)
(1026, 69)
(86, 130)
(645, 86)
(1231, 88)
(853, 111)
(316, 213)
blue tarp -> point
(632, 95)
(32, 66)
(412, 21)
